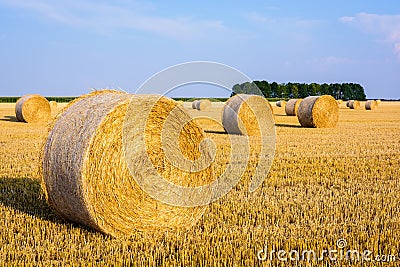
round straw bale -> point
(348, 103)
(371, 105)
(203, 104)
(53, 104)
(85, 173)
(281, 103)
(246, 114)
(33, 108)
(354, 104)
(378, 101)
(318, 112)
(194, 104)
(339, 101)
(292, 106)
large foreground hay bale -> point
(281, 103)
(33, 108)
(354, 104)
(371, 105)
(87, 171)
(247, 114)
(203, 104)
(292, 106)
(318, 112)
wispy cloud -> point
(386, 28)
(103, 17)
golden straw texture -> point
(85, 173)
(371, 105)
(244, 114)
(292, 106)
(33, 108)
(318, 112)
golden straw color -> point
(245, 114)
(194, 104)
(203, 104)
(53, 104)
(354, 104)
(371, 105)
(292, 106)
(85, 173)
(378, 101)
(33, 109)
(318, 112)
(281, 103)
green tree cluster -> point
(343, 91)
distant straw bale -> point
(292, 106)
(194, 104)
(354, 104)
(318, 112)
(247, 114)
(371, 105)
(53, 104)
(32, 109)
(203, 104)
(281, 103)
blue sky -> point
(62, 48)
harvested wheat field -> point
(325, 185)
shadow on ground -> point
(25, 195)
(287, 125)
(215, 132)
(9, 118)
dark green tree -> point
(303, 90)
(275, 90)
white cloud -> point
(106, 18)
(385, 27)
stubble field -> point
(324, 185)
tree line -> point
(344, 91)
